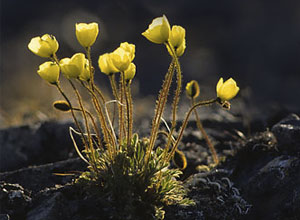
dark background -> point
(256, 42)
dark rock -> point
(37, 178)
(33, 145)
(14, 200)
(287, 132)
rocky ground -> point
(258, 178)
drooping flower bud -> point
(62, 105)
(49, 71)
(45, 46)
(86, 33)
(74, 66)
(192, 89)
(226, 90)
(158, 31)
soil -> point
(258, 177)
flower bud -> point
(74, 66)
(130, 48)
(44, 46)
(227, 90)
(49, 71)
(105, 64)
(192, 89)
(158, 31)
(87, 33)
(121, 59)
(177, 36)
(62, 105)
(130, 72)
(85, 75)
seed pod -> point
(62, 105)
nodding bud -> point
(179, 159)
(192, 89)
(62, 105)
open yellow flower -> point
(106, 65)
(44, 46)
(130, 72)
(227, 90)
(192, 89)
(49, 71)
(85, 74)
(130, 48)
(74, 66)
(158, 31)
(87, 33)
(121, 59)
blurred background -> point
(255, 42)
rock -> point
(14, 200)
(33, 145)
(287, 132)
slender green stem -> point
(94, 126)
(91, 148)
(209, 143)
(88, 54)
(161, 102)
(208, 102)
(127, 108)
(73, 115)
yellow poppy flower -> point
(86, 34)
(49, 71)
(158, 31)
(227, 90)
(44, 46)
(130, 72)
(177, 36)
(105, 64)
(130, 48)
(121, 59)
(85, 74)
(74, 66)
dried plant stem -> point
(208, 102)
(209, 143)
(88, 54)
(122, 132)
(160, 105)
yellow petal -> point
(49, 71)
(130, 72)
(120, 59)
(86, 34)
(220, 83)
(44, 46)
(177, 35)
(158, 31)
(105, 64)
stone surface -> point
(287, 132)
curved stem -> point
(73, 115)
(209, 102)
(209, 143)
